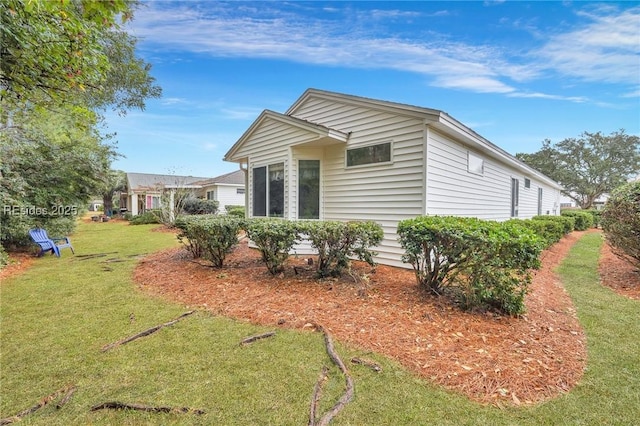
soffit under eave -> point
(453, 128)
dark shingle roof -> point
(148, 180)
(232, 178)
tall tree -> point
(114, 181)
(590, 165)
(63, 63)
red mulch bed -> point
(489, 357)
(618, 274)
(18, 262)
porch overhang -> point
(319, 135)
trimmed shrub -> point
(235, 211)
(583, 219)
(146, 218)
(621, 222)
(199, 206)
(550, 231)
(597, 216)
(208, 236)
(337, 241)
(274, 239)
(568, 223)
(485, 263)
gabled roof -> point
(232, 178)
(434, 118)
(321, 132)
(141, 181)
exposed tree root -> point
(94, 255)
(67, 396)
(144, 333)
(367, 363)
(115, 405)
(252, 339)
(349, 390)
(315, 398)
(42, 403)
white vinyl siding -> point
(228, 196)
(452, 190)
(270, 144)
(429, 172)
(385, 192)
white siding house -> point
(333, 156)
(227, 190)
(144, 191)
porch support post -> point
(134, 204)
(172, 206)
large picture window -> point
(380, 153)
(309, 189)
(268, 190)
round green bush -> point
(621, 221)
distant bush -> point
(597, 216)
(236, 211)
(4, 258)
(550, 231)
(14, 229)
(337, 241)
(621, 221)
(583, 219)
(274, 239)
(146, 218)
(568, 223)
(485, 263)
(199, 206)
(208, 236)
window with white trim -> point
(539, 201)
(475, 163)
(268, 190)
(309, 189)
(515, 195)
(372, 154)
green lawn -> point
(55, 318)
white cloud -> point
(605, 50)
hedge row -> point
(485, 264)
(212, 237)
(621, 222)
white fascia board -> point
(451, 125)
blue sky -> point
(515, 72)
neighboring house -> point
(144, 191)
(567, 202)
(227, 190)
(333, 156)
(95, 205)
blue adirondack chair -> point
(40, 237)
